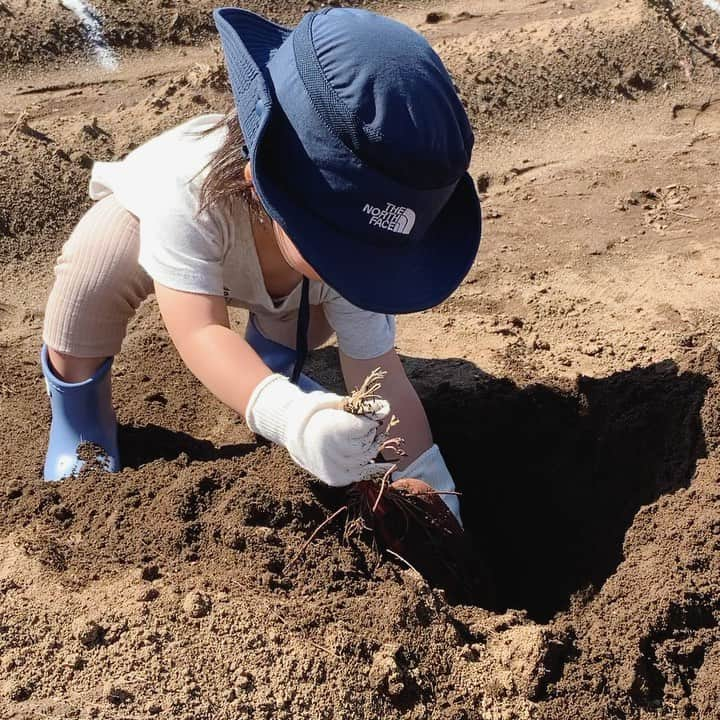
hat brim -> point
(391, 280)
(388, 279)
(249, 42)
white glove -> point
(431, 468)
(332, 444)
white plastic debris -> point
(92, 22)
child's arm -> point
(218, 357)
(335, 446)
(402, 398)
(424, 460)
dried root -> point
(357, 403)
(407, 519)
(360, 401)
(412, 525)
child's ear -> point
(247, 172)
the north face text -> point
(395, 218)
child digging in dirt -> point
(333, 196)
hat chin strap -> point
(301, 337)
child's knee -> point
(101, 256)
(98, 285)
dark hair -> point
(225, 180)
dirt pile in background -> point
(613, 52)
(571, 382)
(45, 165)
(509, 79)
(45, 30)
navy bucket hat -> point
(359, 147)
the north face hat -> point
(359, 146)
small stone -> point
(87, 632)
(116, 695)
(482, 182)
(592, 349)
(147, 594)
(74, 661)
(234, 539)
(243, 681)
(537, 343)
(385, 674)
(13, 492)
(267, 535)
(62, 513)
(82, 159)
(17, 691)
(395, 685)
(436, 16)
(149, 572)
(196, 604)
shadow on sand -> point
(552, 478)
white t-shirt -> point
(214, 253)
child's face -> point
(292, 255)
(287, 248)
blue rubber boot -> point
(81, 412)
(279, 358)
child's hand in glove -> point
(335, 446)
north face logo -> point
(395, 218)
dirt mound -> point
(39, 185)
(44, 31)
(44, 163)
(161, 590)
(531, 71)
(152, 586)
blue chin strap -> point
(299, 355)
(303, 323)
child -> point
(334, 196)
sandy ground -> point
(571, 382)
